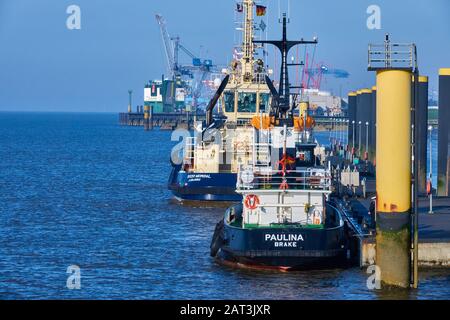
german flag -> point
(260, 10)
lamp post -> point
(353, 138)
(430, 129)
(359, 139)
(367, 141)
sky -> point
(44, 66)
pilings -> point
(150, 117)
(443, 174)
(351, 118)
(362, 120)
(373, 126)
(146, 117)
(393, 182)
(358, 123)
(365, 108)
(422, 129)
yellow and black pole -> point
(394, 163)
(146, 117)
(393, 182)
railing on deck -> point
(189, 150)
(269, 178)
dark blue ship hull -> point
(203, 186)
(281, 248)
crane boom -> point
(167, 45)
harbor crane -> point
(197, 72)
(312, 75)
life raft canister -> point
(251, 201)
(317, 217)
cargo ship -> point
(286, 220)
(207, 169)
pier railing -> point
(391, 55)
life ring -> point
(251, 201)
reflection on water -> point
(79, 189)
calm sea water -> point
(78, 189)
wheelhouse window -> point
(247, 102)
(229, 101)
(264, 105)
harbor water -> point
(78, 189)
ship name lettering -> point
(283, 237)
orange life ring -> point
(251, 201)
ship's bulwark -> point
(284, 248)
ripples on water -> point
(79, 189)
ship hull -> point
(281, 249)
(203, 186)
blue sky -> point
(46, 67)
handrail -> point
(288, 179)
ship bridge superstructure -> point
(246, 93)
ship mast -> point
(247, 60)
(283, 94)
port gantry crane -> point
(197, 72)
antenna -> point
(279, 11)
(289, 11)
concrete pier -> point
(434, 234)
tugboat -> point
(211, 158)
(286, 220)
